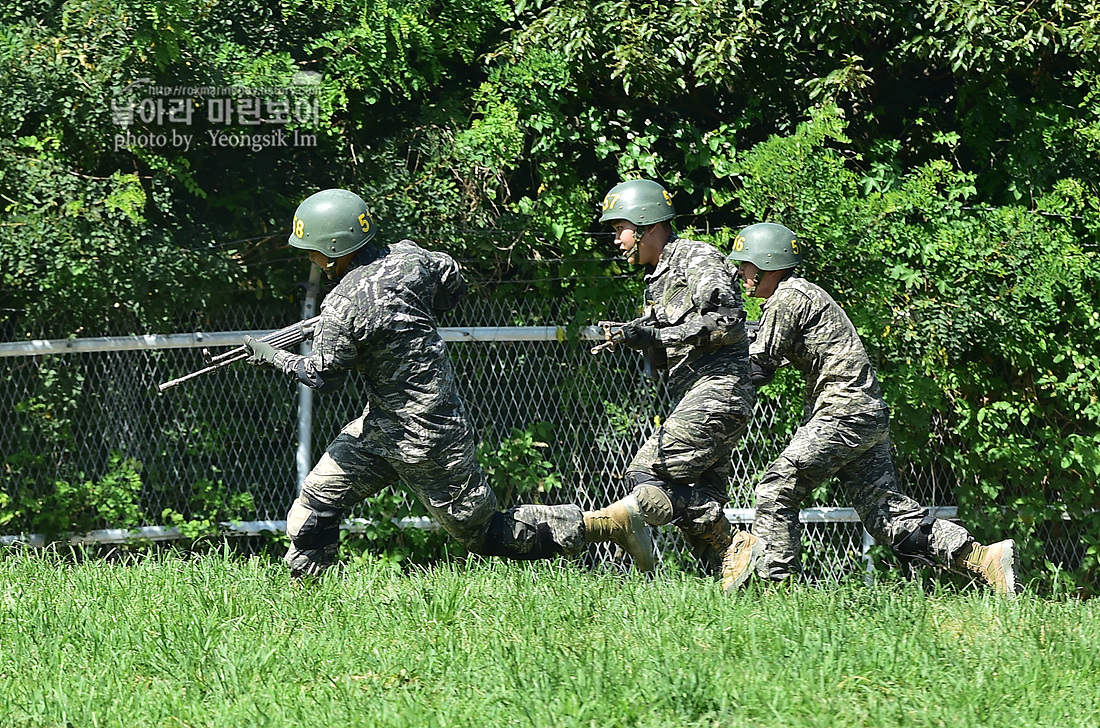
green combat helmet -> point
(333, 222)
(768, 246)
(641, 201)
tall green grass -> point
(218, 641)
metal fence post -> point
(865, 553)
(305, 394)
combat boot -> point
(740, 551)
(744, 551)
(995, 563)
(623, 523)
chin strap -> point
(639, 233)
(329, 268)
(751, 287)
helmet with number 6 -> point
(333, 222)
(641, 201)
(768, 246)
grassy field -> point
(217, 641)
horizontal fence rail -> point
(36, 347)
(39, 347)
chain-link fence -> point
(85, 424)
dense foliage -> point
(937, 157)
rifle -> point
(613, 333)
(281, 339)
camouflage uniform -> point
(845, 432)
(694, 294)
(380, 319)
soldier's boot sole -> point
(1004, 574)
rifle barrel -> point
(199, 372)
(293, 334)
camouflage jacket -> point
(381, 320)
(802, 323)
(694, 293)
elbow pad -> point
(322, 382)
(447, 298)
(760, 375)
(720, 327)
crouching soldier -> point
(695, 324)
(845, 429)
(381, 320)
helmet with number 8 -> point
(768, 246)
(641, 201)
(333, 222)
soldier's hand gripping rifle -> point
(281, 339)
(655, 358)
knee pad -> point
(304, 565)
(652, 495)
(313, 525)
(655, 503)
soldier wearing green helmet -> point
(845, 430)
(768, 247)
(381, 320)
(694, 317)
(332, 225)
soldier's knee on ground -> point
(304, 570)
(478, 542)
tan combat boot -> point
(744, 551)
(623, 523)
(740, 551)
(995, 563)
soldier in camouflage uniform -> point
(846, 425)
(381, 320)
(695, 324)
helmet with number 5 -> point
(641, 201)
(768, 246)
(333, 222)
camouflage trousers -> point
(450, 485)
(856, 449)
(688, 458)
